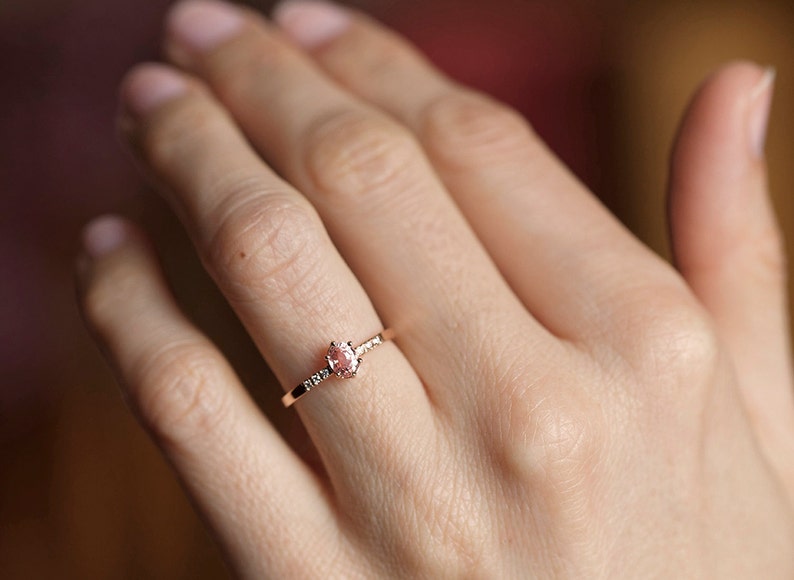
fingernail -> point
(201, 25)
(760, 106)
(311, 23)
(150, 86)
(103, 235)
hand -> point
(558, 401)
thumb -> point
(728, 246)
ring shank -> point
(306, 386)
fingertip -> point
(201, 25)
(311, 23)
(735, 77)
(103, 235)
(717, 122)
(149, 86)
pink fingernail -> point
(760, 107)
(150, 86)
(311, 23)
(201, 25)
(103, 235)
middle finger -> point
(384, 207)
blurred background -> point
(83, 492)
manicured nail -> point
(760, 106)
(103, 235)
(151, 85)
(201, 25)
(311, 23)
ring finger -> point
(270, 255)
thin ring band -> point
(343, 362)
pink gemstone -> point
(342, 360)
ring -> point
(343, 361)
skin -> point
(558, 401)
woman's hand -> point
(558, 401)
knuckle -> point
(674, 344)
(269, 243)
(354, 154)
(568, 439)
(556, 441)
(460, 128)
(183, 395)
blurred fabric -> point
(83, 492)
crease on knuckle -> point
(266, 244)
(183, 396)
(353, 154)
(461, 128)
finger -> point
(727, 242)
(270, 255)
(366, 175)
(254, 491)
(569, 260)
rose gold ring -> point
(343, 361)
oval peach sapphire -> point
(342, 359)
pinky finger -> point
(257, 496)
